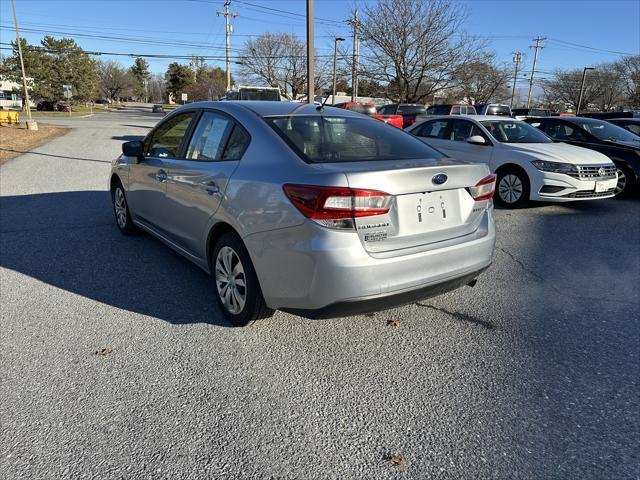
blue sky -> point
(580, 32)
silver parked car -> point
(318, 212)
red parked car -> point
(409, 112)
(369, 109)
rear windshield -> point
(501, 110)
(412, 109)
(360, 108)
(514, 132)
(320, 139)
(439, 110)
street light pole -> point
(311, 90)
(584, 75)
(31, 125)
(335, 61)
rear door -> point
(197, 181)
(148, 177)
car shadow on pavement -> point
(44, 154)
(69, 240)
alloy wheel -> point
(120, 206)
(510, 188)
(622, 182)
(230, 280)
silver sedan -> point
(321, 212)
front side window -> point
(455, 110)
(388, 110)
(514, 132)
(433, 129)
(166, 140)
(564, 132)
(321, 139)
(210, 137)
(462, 131)
(438, 110)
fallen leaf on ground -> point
(103, 352)
(393, 323)
(397, 460)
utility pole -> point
(517, 58)
(335, 62)
(355, 23)
(311, 87)
(31, 125)
(584, 75)
(226, 15)
(537, 47)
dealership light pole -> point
(31, 125)
(311, 91)
(517, 58)
(335, 62)
(584, 75)
(536, 47)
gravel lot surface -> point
(532, 374)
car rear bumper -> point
(321, 273)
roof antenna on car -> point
(321, 107)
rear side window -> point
(165, 141)
(237, 144)
(388, 110)
(438, 110)
(471, 110)
(320, 139)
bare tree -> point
(481, 81)
(629, 69)
(115, 81)
(413, 46)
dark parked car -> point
(409, 112)
(157, 109)
(630, 124)
(522, 113)
(452, 109)
(46, 106)
(103, 101)
(618, 144)
(608, 115)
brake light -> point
(337, 207)
(484, 189)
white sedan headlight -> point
(555, 167)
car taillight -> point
(337, 207)
(484, 189)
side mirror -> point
(476, 140)
(132, 149)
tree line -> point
(412, 51)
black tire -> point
(513, 189)
(625, 181)
(241, 302)
(121, 210)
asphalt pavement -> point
(531, 374)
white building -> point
(8, 96)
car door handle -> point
(212, 188)
(161, 176)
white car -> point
(529, 165)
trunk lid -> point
(422, 211)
